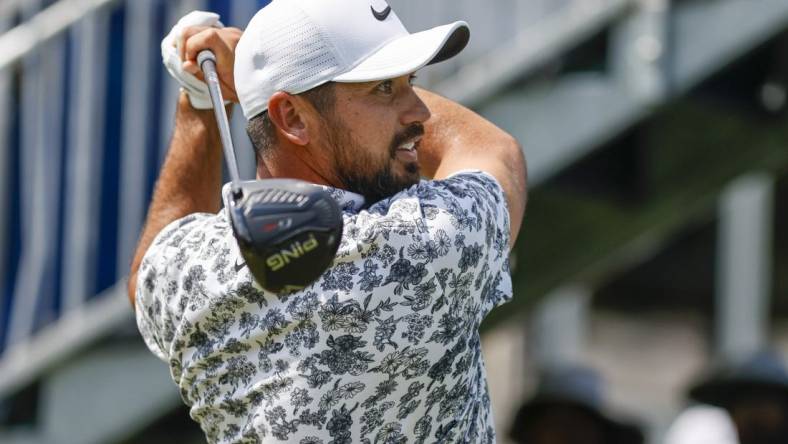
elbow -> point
(514, 149)
(518, 169)
(131, 288)
(518, 165)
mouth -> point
(408, 151)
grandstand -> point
(655, 239)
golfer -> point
(384, 347)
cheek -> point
(374, 126)
(352, 150)
(377, 138)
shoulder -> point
(180, 241)
(469, 186)
(469, 203)
(184, 243)
(197, 224)
(467, 208)
(174, 273)
(470, 190)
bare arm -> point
(190, 179)
(457, 139)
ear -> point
(286, 113)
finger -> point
(225, 67)
(228, 88)
(193, 69)
(221, 42)
(187, 33)
(206, 39)
(228, 91)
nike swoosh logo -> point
(238, 266)
(381, 16)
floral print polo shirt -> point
(383, 348)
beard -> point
(362, 172)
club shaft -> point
(207, 63)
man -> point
(568, 408)
(754, 394)
(384, 347)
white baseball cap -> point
(296, 45)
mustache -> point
(411, 132)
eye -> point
(386, 87)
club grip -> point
(206, 60)
(204, 56)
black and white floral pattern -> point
(384, 348)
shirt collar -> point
(348, 201)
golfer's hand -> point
(222, 42)
(171, 45)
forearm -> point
(455, 132)
(190, 178)
(457, 138)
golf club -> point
(288, 230)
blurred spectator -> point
(568, 408)
(754, 392)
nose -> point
(416, 111)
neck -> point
(296, 162)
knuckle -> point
(197, 43)
(190, 31)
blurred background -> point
(655, 243)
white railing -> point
(42, 26)
(494, 24)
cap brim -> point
(410, 53)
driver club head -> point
(288, 231)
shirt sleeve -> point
(478, 219)
(463, 226)
(166, 266)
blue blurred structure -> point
(86, 81)
(85, 117)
